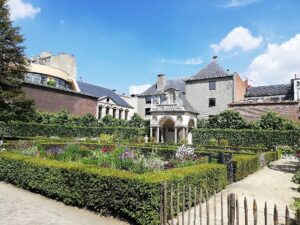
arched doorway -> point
(167, 128)
(191, 125)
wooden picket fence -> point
(180, 206)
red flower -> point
(104, 150)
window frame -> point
(212, 85)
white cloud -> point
(278, 64)
(239, 3)
(191, 61)
(21, 10)
(239, 37)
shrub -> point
(296, 177)
(106, 138)
(224, 142)
(132, 196)
(271, 156)
(248, 138)
(19, 129)
(244, 165)
(213, 142)
(287, 150)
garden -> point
(109, 167)
(121, 178)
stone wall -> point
(253, 110)
(53, 100)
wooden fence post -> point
(237, 211)
(207, 209)
(232, 209)
(287, 216)
(165, 204)
(200, 206)
(195, 204)
(222, 212)
(266, 213)
(190, 205)
(228, 209)
(246, 211)
(215, 208)
(255, 212)
(171, 203)
(183, 204)
(275, 216)
(178, 203)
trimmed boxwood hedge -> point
(244, 165)
(135, 197)
(20, 129)
(268, 138)
(272, 156)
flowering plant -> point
(183, 152)
(127, 154)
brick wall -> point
(240, 89)
(53, 100)
(252, 111)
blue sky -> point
(118, 43)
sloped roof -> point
(177, 84)
(270, 90)
(212, 70)
(101, 92)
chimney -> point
(161, 82)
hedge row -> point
(268, 138)
(244, 165)
(135, 197)
(272, 156)
(19, 129)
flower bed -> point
(132, 196)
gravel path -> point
(272, 184)
(20, 207)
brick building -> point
(282, 98)
(51, 82)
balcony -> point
(166, 107)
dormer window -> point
(107, 99)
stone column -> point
(157, 135)
(175, 139)
(183, 133)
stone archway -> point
(167, 130)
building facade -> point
(282, 98)
(51, 81)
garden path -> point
(272, 184)
(20, 207)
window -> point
(212, 85)
(100, 113)
(147, 111)
(148, 99)
(114, 113)
(212, 102)
(107, 111)
(120, 113)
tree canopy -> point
(13, 103)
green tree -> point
(274, 121)
(137, 121)
(13, 104)
(229, 119)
